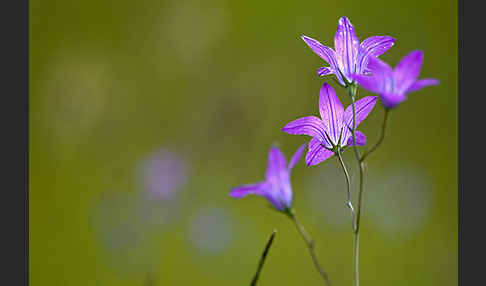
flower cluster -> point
(354, 65)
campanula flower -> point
(276, 187)
(350, 57)
(393, 85)
(332, 131)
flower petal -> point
(372, 47)
(379, 68)
(317, 153)
(362, 107)
(390, 100)
(381, 79)
(370, 83)
(360, 139)
(279, 191)
(407, 71)
(331, 111)
(296, 156)
(346, 44)
(324, 71)
(421, 83)
(309, 125)
(244, 190)
(262, 189)
(326, 54)
(276, 165)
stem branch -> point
(310, 245)
(380, 139)
(348, 203)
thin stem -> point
(380, 139)
(262, 259)
(356, 258)
(310, 245)
(352, 94)
(360, 159)
(348, 203)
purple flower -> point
(332, 131)
(276, 187)
(350, 56)
(393, 85)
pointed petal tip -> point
(416, 54)
(233, 194)
(326, 87)
(343, 19)
(305, 38)
(296, 157)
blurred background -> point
(143, 115)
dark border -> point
(459, 143)
(472, 116)
(14, 212)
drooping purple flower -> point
(276, 187)
(332, 131)
(350, 57)
(393, 85)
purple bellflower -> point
(393, 85)
(350, 57)
(276, 187)
(333, 130)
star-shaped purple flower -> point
(276, 187)
(350, 56)
(332, 131)
(393, 85)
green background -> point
(112, 82)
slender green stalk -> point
(352, 94)
(310, 245)
(262, 259)
(356, 258)
(348, 203)
(380, 139)
(360, 159)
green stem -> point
(380, 139)
(348, 203)
(356, 258)
(352, 94)
(262, 259)
(360, 159)
(310, 245)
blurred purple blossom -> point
(393, 85)
(350, 56)
(163, 174)
(333, 129)
(276, 187)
